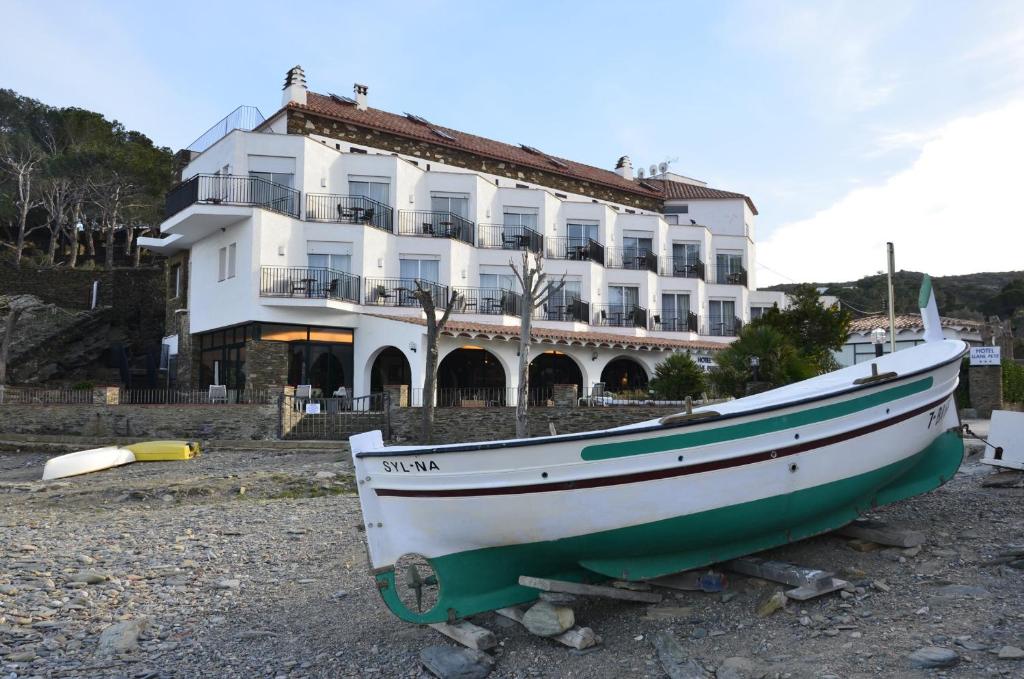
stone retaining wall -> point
(235, 422)
(454, 425)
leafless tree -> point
(113, 196)
(536, 292)
(424, 294)
(57, 197)
(22, 161)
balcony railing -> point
(488, 301)
(509, 237)
(620, 316)
(578, 249)
(671, 320)
(682, 267)
(435, 225)
(573, 310)
(329, 207)
(402, 292)
(631, 258)
(222, 189)
(729, 275)
(719, 326)
(309, 283)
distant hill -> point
(971, 296)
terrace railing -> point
(400, 292)
(197, 397)
(433, 224)
(573, 310)
(220, 189)
(631, 258)
(339, 209)
(488, 301)
(509, 237)
(480, 397)
(44, 396)
(577, 249)
(682, 267)
(720, 326)
(729, 275)
(620, 316)
(672, 321)
(308, 283)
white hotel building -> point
(293, 248)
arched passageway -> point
(390, 368)
(549, 369)
(624, 374)
(471, 376)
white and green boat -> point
(460, 523)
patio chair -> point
(304, 391)
(367, 215)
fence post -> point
(387, 416)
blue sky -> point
(847, 122)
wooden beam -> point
(467, 634)
(822, 587)
(781, 571)
(546, 585)
(883, 534)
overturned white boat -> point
(637, 502)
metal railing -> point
(620, 316)
(481, 397)
(509, 237)
(43, 396)
(573, 310)
(401, 292)
(196, 397)
(242, 118)
(488, 301)
(600, 396)
(631, 258)
(720, 326)
(729, 275)
(435, 225)
(682, 267)
(309, 283)
(577, 249)
(335, 417)
(339, 209)
(671, 321)
(222, 189)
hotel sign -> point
(985, 356)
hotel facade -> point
(294, 245)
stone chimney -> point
(624, 167)
(360, 92)
(294, 87)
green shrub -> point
(677, 377)
(1013, 381)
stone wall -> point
(225, 422)
(455, 425)
(266, 364)
(303, 122)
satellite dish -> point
(640, 173)
(654, 170)
(663, 168)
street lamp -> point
(878, 338)
(755, 362)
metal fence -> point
(222, 189)
(329, 207)
(309, 282)
(197, 397)
(334, 418)
(481, 397)
(435, 225)
(43, 396)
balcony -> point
(718, 326)
(223, 189)
(577, 249)
(729, 275)
(400, 292)
(329, 207)
(670, 320)
(435, 225)
(682, 267)
(308, 283)
(488, 301)
(572, 310)
(631, 258)
(503, 237)
(620, 316)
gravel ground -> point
(252, 564)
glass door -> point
(675, 311)
(721, 317)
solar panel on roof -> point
(649, 187)
(530, 149)
(442, 134)
(417, 119)
(343, 100)
(558, 163)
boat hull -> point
(86, 461)
(637, 503)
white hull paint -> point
(86, 461)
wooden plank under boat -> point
(658, 497)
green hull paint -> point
(801, 418)
(486, 579)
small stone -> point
(673, 658)
(447, 662)
(91, 577)
(326, 475)
(121, 636)
(227, 583)
(964, 591)
(728, 596)
(1010, 653)
(933, 656)
(86, 560)
(546, 620)
(23, 656)
(8, 589)
(340, 594)
(698, 633)
(738, 667)
(770, 604)
(805, 621)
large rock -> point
(448, 662)
(933, 657)
(1011, 653)
(738, 667)
(546, 620)
(673, 658)
(122, 636)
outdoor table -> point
(356, 212)
(308, 284)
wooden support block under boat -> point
(780, 571)
(576, 637)
(826, 586)
(883, 534)
(467, 634)
(546, 585)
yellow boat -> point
(156, 451)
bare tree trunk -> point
(73, 236)
(51, 250)
(23, 208)
(110, 226)
(434, 327)
(523, 398)
(5, 346)
(90, 241)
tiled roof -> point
(457, 328)
(866, 324)
(422, 130)
(683, 191)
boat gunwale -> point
(610, 433)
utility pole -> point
(892, 308)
